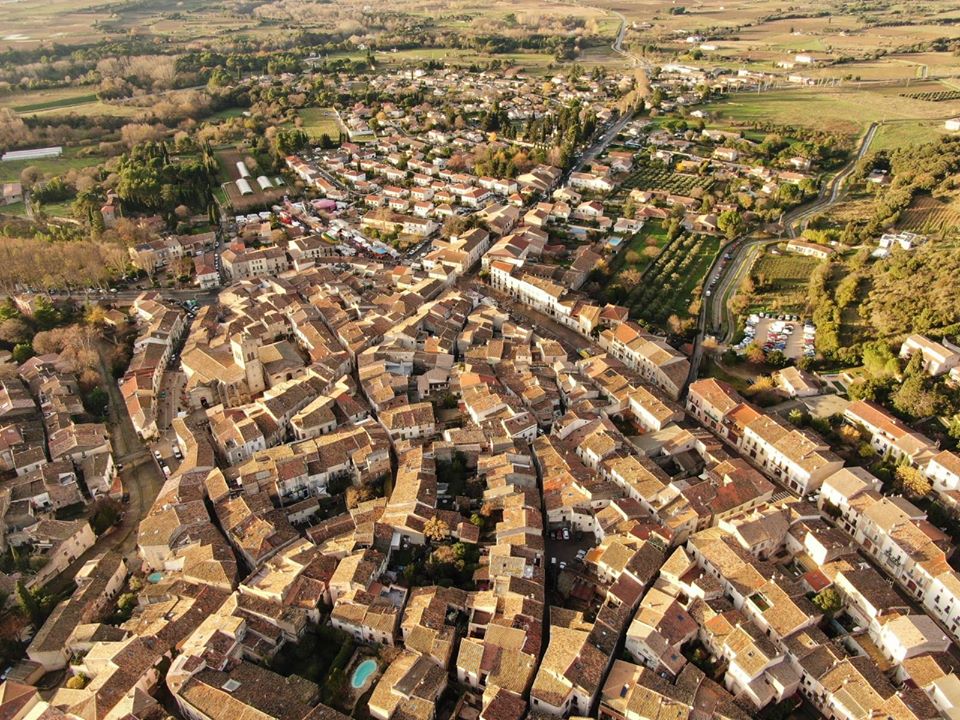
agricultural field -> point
(933, 95)
(671, 284)
(780, 280)
(229, 194)
(72, 159)
(845, 109)
(33, 101)
(765, 30)
(650, 177)
(928, 214)
(29, 23)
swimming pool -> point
(362, 673)
(155, 577)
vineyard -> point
(671, 283)
(930, 215)
(661, 179)
(936, 96)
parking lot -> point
(789, 334)
(565, 551)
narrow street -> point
(141, 476)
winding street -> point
(715, 313)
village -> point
(408, 464)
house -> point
(943, 472)
(12, 193)
(658, 630)
(650, 356)
(938, 357)
(810, 249)
(409, 421)
(910, 635)
(798, 458)
(889, 434)
(409, 687)
(796, 383)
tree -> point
(29, 604)
(78, 682)
(436, 529)
(14, 331)
(879, 360)
(829, 601)
(106, 514)
(911, 481)
(22, 352)
(96, 402)
(731, 224)
(755, 354)
(919, 397)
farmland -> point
(929, 214)
(671, 284)
(842, 109)
(935, 96)
(652, 177)
(784, 271)
(47, 99)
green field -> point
(320, 121)
(781, 280)
(71, 159)
(901, 134)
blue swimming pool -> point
(155, 577)
(362, 673)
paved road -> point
(715, 314)
(794, 221)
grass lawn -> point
(227, 114)
(320, 121)
(17, 208)
(901, 134)
(653, 234)
(60, 209)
